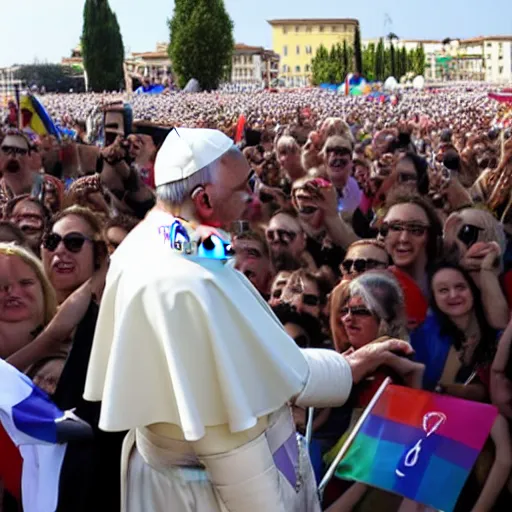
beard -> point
(12, 166)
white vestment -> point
(185, 341)
(188, 341)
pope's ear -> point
(202, 203)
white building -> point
(486, 58)
(253, 65)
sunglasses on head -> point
(13, 150)
(360, 311)
(360, 265)
(73, 242)
(282, 235)
(468, 234)
(413, 228)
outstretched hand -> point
(390, 353)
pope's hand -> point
(365, 361)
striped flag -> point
(419, 445)
(35, 425)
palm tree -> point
(392, 37)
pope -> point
(189, 358)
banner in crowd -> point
(418, 444)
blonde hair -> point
(288, 143)
(49, 296)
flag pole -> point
(309, 426)
(343, 450)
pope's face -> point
(230, 195)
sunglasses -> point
(73, 242)
(361, 265)
(308, 299)
(360, 311)
(12, 150)
(338, 151)
(414, 229)
(468, 234)
(281, 235)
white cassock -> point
(189, 342)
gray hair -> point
(383, 296)
(177, 192)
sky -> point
(51, 28)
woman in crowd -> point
(31, 216)
(412, 233)
(457, 345)
(473, 237)
(116, 229)
(73, 249)
(288, 154)
(368, 309)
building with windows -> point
(485, 58)
(297, 40)
(254, 65)
(154, 65)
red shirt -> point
(416, 304)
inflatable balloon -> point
(390, 84)
(419, 82)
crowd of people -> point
(366, 221)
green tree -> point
(53, 77)
(403, 61)
(334, 66)
(102, 47)
(420, 60)
(351, 60)
(320, 66)
(392, 58)
(411, 61)
(379, 61)
(201, 42)
(369, 62)
(346, 60)
(358, 57)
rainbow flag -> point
(418, 444)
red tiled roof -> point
(247, 48)
(151, 55)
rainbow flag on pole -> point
(418, 444)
